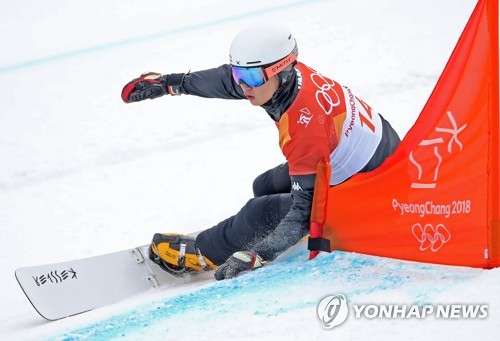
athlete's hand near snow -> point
(151, 85)
(239, 262)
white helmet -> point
(261, 45)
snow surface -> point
(83, 174)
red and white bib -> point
(327, 120)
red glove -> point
(150, 85)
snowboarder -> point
(317, 118)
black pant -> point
(270, 205)
(254, 221)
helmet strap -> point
(280, 65)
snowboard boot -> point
(178, 254)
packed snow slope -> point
(83, 174)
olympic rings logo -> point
(430, 237)
(326, 92)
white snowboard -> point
(69, 288)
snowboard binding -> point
(178, 254)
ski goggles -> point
(256, 76)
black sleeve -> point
(212, 83)
(295, 225)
